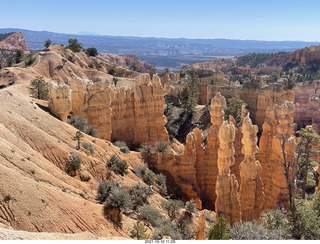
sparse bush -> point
(191, 206)
(163, 190)
(10, 61)
(167, 228)
(139, 195)
(140, 170)
(149, 177)
(276, 220)
(134, 67)
(84, 176)
(8, 198)
(91, 65)
(163, 147)
(161, 179)
(78, 122)
(29, 59)
(104, 190)
(118, 198)
(146, 150)
(123, 146)
(115, 81)
(119, 167)
(92, 51)
(172, 207)
(139, 231)
(252, 231)
(39, 88)
(82, 125)
(150, 214)
(74, 163)
(88, 147)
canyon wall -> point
(278, 123)
(131, 115)
(257, 94)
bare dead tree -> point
(291, 170)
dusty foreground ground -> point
(36, 193)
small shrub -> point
(149, 177)
(84, 176)
(150, 214)
(167, 228)
(8, 198)
(91, 51)
(172, 207)
(88, 147)
(91, 130)
(252, 231)
(139, 195)
(191, 206)
(118, 198)
(163, 190)
(91, 65)
(119, 167)
(104, 190)
(123, 146)
(82, 125)
(77, 137)
(163, 147)
(140, 170)
(29, 59)
(139, 231)
(161, 179)
(146, 150)
(74, 163)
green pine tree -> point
(78, 137)
(139, 231)
(219, 230)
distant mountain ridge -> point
(161, 51)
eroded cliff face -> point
(305, 56)
(257, 94)
(278, 122)
(307, 105)
(251, 188)
(131, 115)
(16, 41)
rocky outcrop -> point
(131, 115)
(307, 56)
(125, 61)
(307, 105)
(258, 95)
(227, 202)
(278, 122)
(15, 41)
(251, 187)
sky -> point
(206, 19)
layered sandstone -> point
(227, 202)
(257, 94)
(131, 115)
(307, 105)
(15, 41)
(251, 186)
(305, 56)
(278, 123)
